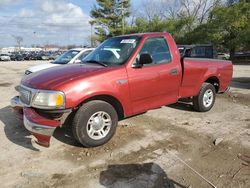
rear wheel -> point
(95, 123)
(204, 101)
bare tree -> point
(160, 8)
(19, 40)
(171, 10)
(149, 9)
(198, 9)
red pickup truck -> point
(124, 76)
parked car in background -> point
(33, 55)
(27, 56)
(198, 51)
(125, 76)
(224, 56)
(4, 57)
(43, 55)
(53, 55)
(17, 57)
(13, 57)
(69, 57)
(242, 56)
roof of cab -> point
(146, 34)
(80, 49)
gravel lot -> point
(152, 150)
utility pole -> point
(91, 34)
(68, 36)
(34, 33)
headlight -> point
(49, 100)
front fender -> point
(87, 90)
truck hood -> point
(51, 79)
(41, 67)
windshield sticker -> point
(128, 41)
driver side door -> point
(151, 86)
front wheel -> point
(204, 101)
(94, 123)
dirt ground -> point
(161, 148)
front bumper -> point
(42, 128)
(17, 107)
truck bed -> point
(196, 71)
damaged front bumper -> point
(42, 128)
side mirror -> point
(145, 59)
(78, 61)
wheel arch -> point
(214, 81)
(111, 100)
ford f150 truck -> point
(124, 76)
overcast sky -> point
(45, 21)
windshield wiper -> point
(97, 62)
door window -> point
(158, 48)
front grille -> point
(25, 95)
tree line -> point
(223, 23)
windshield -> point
(114, 51)
(66, 57)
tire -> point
(202, 104)
(94, 123)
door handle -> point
(173, 72)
